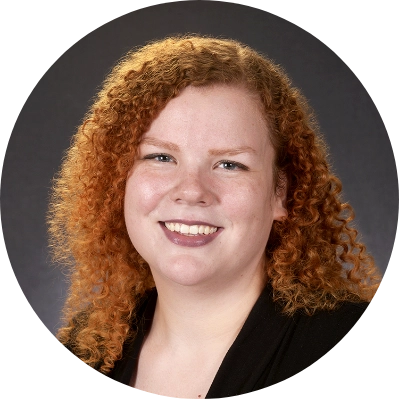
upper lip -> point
(190, 222)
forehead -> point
(218, 114)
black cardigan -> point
(270, 347)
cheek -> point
(250, 213)
(143, 193)
(248, 201)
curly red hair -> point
(314, 259)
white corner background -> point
(385, 88)
(66, 380)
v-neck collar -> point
(270, 347)
(261, 335)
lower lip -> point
(189, 241)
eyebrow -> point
(213, 152)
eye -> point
(164, 158)
(231, 165)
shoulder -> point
(310, 337)
(330, 325)
(272, 346)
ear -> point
(279, 207)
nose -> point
(193, 188)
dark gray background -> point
(360, 149)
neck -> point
(196, 316)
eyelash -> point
(233, 165)
(153, 156)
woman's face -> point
(200, 199)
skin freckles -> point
(207, 157)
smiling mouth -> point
(190, 230)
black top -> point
(270, 347)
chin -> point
(185, 272)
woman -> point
(210, 252)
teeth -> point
(190, 230)
(184, 229)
